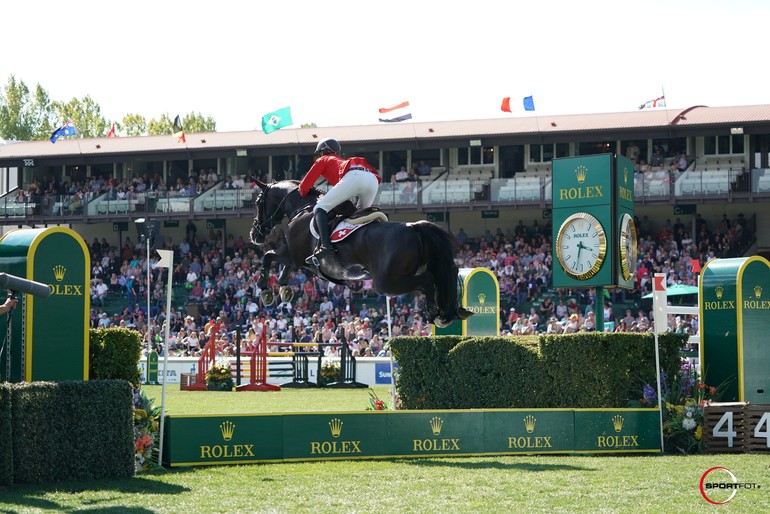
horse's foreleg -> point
(267, 261)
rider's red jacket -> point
(332, 168)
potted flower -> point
(219, 378)
(330, 373)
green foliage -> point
(586, 370)
(33, 116)
(330, 373)
(132, 125)
(72, 430)
(25, 116)
(494, 372)
(85, 114)
(424, 377)
(191, 123)
(115, 354)
(6, 433)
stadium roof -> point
(689, 119)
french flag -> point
(400, 112)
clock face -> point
(627, 241)
(581, 246)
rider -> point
(349, 177)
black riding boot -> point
(324, 239)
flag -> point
(68, 129)
(275, 120)
(111, 133)
(399, 112)
(655, 102)
(695, 265)
(529, 103)
(178, 130)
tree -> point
(133, 125)
(86, 114)
(24, 117)
(191, 122)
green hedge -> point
(114, 354)
(72, 430)
(587, 370)
(424, 369)
(492, 372)
(6, 435)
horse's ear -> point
(261, 185)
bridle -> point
(267, 223)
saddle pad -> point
(343, 230)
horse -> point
(398, 257)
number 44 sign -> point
(737, 427)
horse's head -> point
(273, 202)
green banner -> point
(533, 431)
(435, 433)
(225, 439)
(239, 439)
(337, 435)
(617, 430)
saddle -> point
(343, 221)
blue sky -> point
(337, 62)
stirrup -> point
(321, 252)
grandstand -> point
(484, 175)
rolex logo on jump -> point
(758, 291)
(436, 424)
(529, 423)
(617, 422)
(482, 298)
(228, 429)
(335, 425)
(58, 272)
(581, 172)
(719, 291)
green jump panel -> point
(49, 336)
(245, 438)
(735, 350)
(481, 295)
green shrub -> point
(494, 372)
(72, 430)
(114, 355)
(585, 370)
(424, 374)
(6, 433)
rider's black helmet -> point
(328, 146)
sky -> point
(335, 63)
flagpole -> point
(166, 261)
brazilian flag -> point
(275, 120)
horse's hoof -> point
(463, 313)
(441, 323)
(267, 297)
(287, 293)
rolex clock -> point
(627, 243)
(581, 246)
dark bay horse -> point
(400, 258)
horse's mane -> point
(314, 192)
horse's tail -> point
(440, 249)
